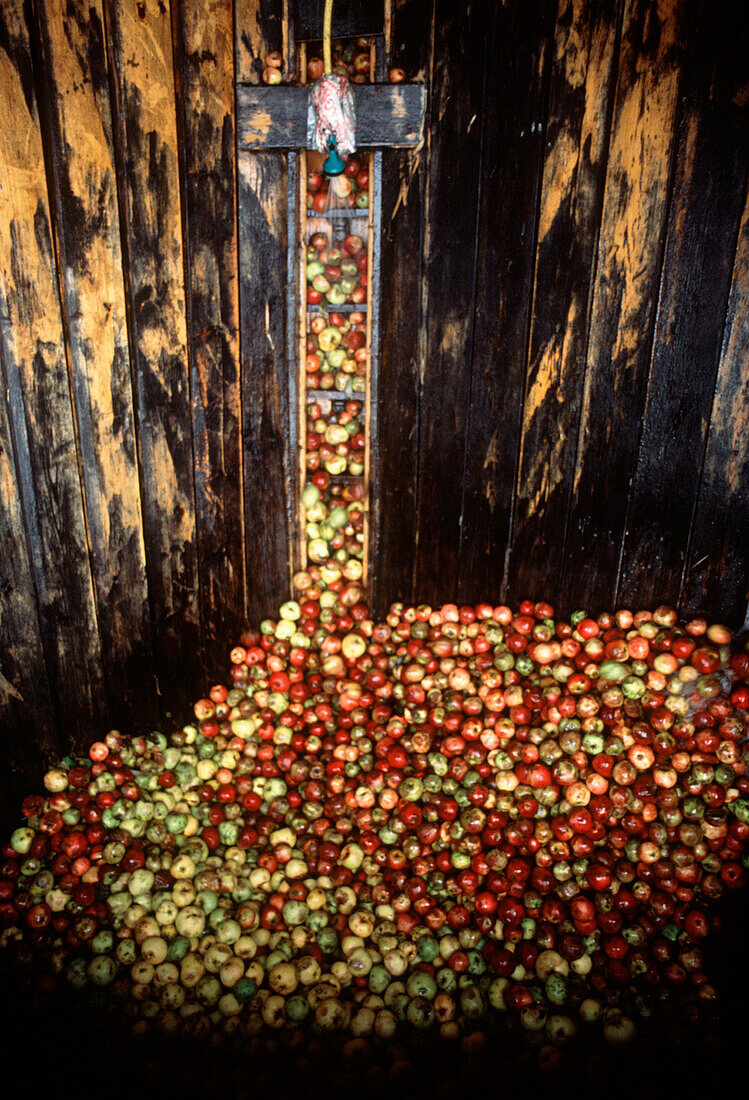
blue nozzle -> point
(334, 163)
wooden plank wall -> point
(565, 335)
(565, 314)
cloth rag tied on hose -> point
(331, 113)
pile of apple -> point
(334, 524)
(335, 438)
(419, 823)
(337, 276)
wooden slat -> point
(395, 454)
(275, 117)
(38, 394)
(205, 41)
(88, 236)
(516, 95)
(260, 26)
(263, 202)
(140, 44)
(628, 269)
(717, 577)
(712, 164)
(450, 255)
(27, 716)
(577, 131)
(374, 401)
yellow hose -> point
(326, 27)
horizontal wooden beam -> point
(275, 117)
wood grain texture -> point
(623, 311)
(518, 71)
(88, 238)
(260, 27)
(717, 577)
(29, 737)
(140, 44)
(268, 469)
(205, 48)
(448, 292)
(583, 65)
(275, 117)
(711, 167)
(38, 395)
(393, 509)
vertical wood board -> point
(140, 43)
(265, 380)
(88, 236)
(623, 311)
(717, 578)
(393, 510)
(711, 168)
(36, 377)
(28, 727)
(267, 428)
(448, 293)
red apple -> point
(353, 244)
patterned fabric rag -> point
(331, 111)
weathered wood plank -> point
(711, 166)
(450, 253)
(205, 39)
(275, 117)
(260, 27)
(516, 93)
(27, 716)
(88, 238)
(42, 421)
(393, 510)
(628, 269)
(140, 46)
(577, 131)
(717, 576)
(350, 18)
(268, 469)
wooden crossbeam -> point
(275, 116)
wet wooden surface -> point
(509, 230)
(39, 408)
(269, 460)
(448, 292)
(712, 162)
(205, 52)
(716, 572)
(409, 45)
(565, 270)
(80, 142)
(140, 42)
(625, 294)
